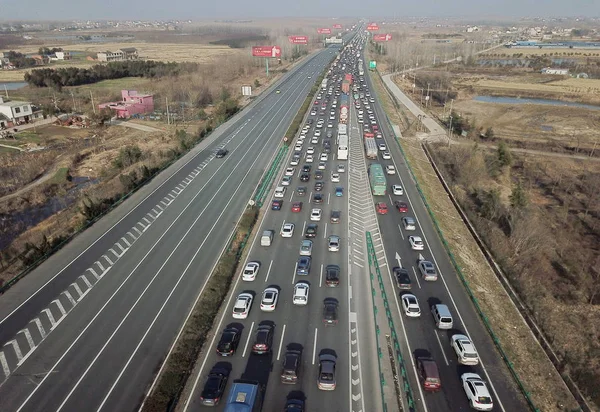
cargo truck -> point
(324, 84)
(344, 107)
(370, 146)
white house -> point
(15, 112)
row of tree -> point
(19, 60)
(76, 76)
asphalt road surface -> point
(423, 339)
(88, 329)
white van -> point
(266, 238)
(442, 316)
(280, 191)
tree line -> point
(19, 60)
(76, 76)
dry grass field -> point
(558, 52)
(585, 88)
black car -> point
(311, 230)
(221, 153)
(327, 149)
(294, 405)
(306, 169)
(330, 311)
(310, 121)
(319, 174)
(291, 366)
(319, 186)
(277, 204)
(335, 216)
(317, 198)
(264, 339)
(332, 275)
(301, 190)
(304, 177)
(214, 386)
(230, 338)
(402, 278)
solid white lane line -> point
(400, 230)
(325, 231)
(294, 276)
(315, 347)
(248, 340)
(281, 342)
(268, 271)
(441, 347)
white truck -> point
(370, 148)
(324, 84)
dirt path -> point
(43, 178)
(136, 126)
(12, 147)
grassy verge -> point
(544, 385)
(184, 355)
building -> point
(40, 60)
(126, 53)
(548, 70)
(63, 55)
(13, 113)
(132, 103)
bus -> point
(342, 153)
(244, 396)
(377, 180)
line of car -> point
(473, 385)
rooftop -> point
(14, 103)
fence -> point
(374, 264)
(263, 188)
(461, 275)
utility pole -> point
(93, 105)
(73, 97)
(6, 91)
(167, 104)
(427, 98)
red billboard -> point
(372, 27)
(266, 51)
(298, 39)
(382, 37)
(337, 26)
(324, 31)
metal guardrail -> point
(263, 189)
(461, 276)
(403, 372)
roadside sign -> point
(266, 51)
(382, 37)
(372, 27)
(324, 31)
(298, 39)
(337, 26)
(372, 65)
(246, 91)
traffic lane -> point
(89, 343)
(18, 318)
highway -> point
(421, 336)
(88, 329)
(296, 327)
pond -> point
(12, 85)
(518, 100)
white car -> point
(465, 350)
(287, 229)
(242, 306)
(250, 271)
(286, 180)
(268, 302)
(309, 158)
(333, 243)
(335, 177)
(409, 223)
(324, 157)
(341, 168)
(382, 147)
(315, 215)
(317, 133)
(386, 155)
(301, 290)
(416, 243)
(294, 161)
(477, 392)
(332, 117)
(411, 306)
(290, 171)
(390, 169)
(397, 190)
(330, 125)
(322, 166)
(315, 140)
(310, 150)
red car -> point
(401, 206)
(382, 208)
(297, 207)
(316, 102)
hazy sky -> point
(206, 9)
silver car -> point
(306, 247)
(333, 243)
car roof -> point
(430, 367)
